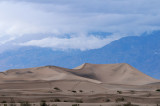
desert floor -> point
(87, 85)
(67, 93)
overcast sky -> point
(66, 24)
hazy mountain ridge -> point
(142, 52)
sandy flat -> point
(92, 84)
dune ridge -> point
(46, 73)
(121, 73)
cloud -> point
(56, 19)
(81, 42)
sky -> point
(67, 24)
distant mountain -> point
(142, 52)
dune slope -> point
(46, 73)
(113, 73)
(97, 73)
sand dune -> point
(41, 73)
(97, 73)
(113, 73)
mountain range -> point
(142, 52)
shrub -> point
(56, 88)
(65, 101)
(133, 92)
(129, 104)
(50, 92)
(81, 91)
(25, 104)
(74, 91)
(119, 92)
(92, 91)
(4, 101)
(75, 104)
(43, 103)
(158, 90)
(57, 100)
(120, 99)
(108, 100)
(12, 104)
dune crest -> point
(121, 73)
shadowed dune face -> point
(96, 73)
(113, 73)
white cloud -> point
(81, 42)
(20, 19)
